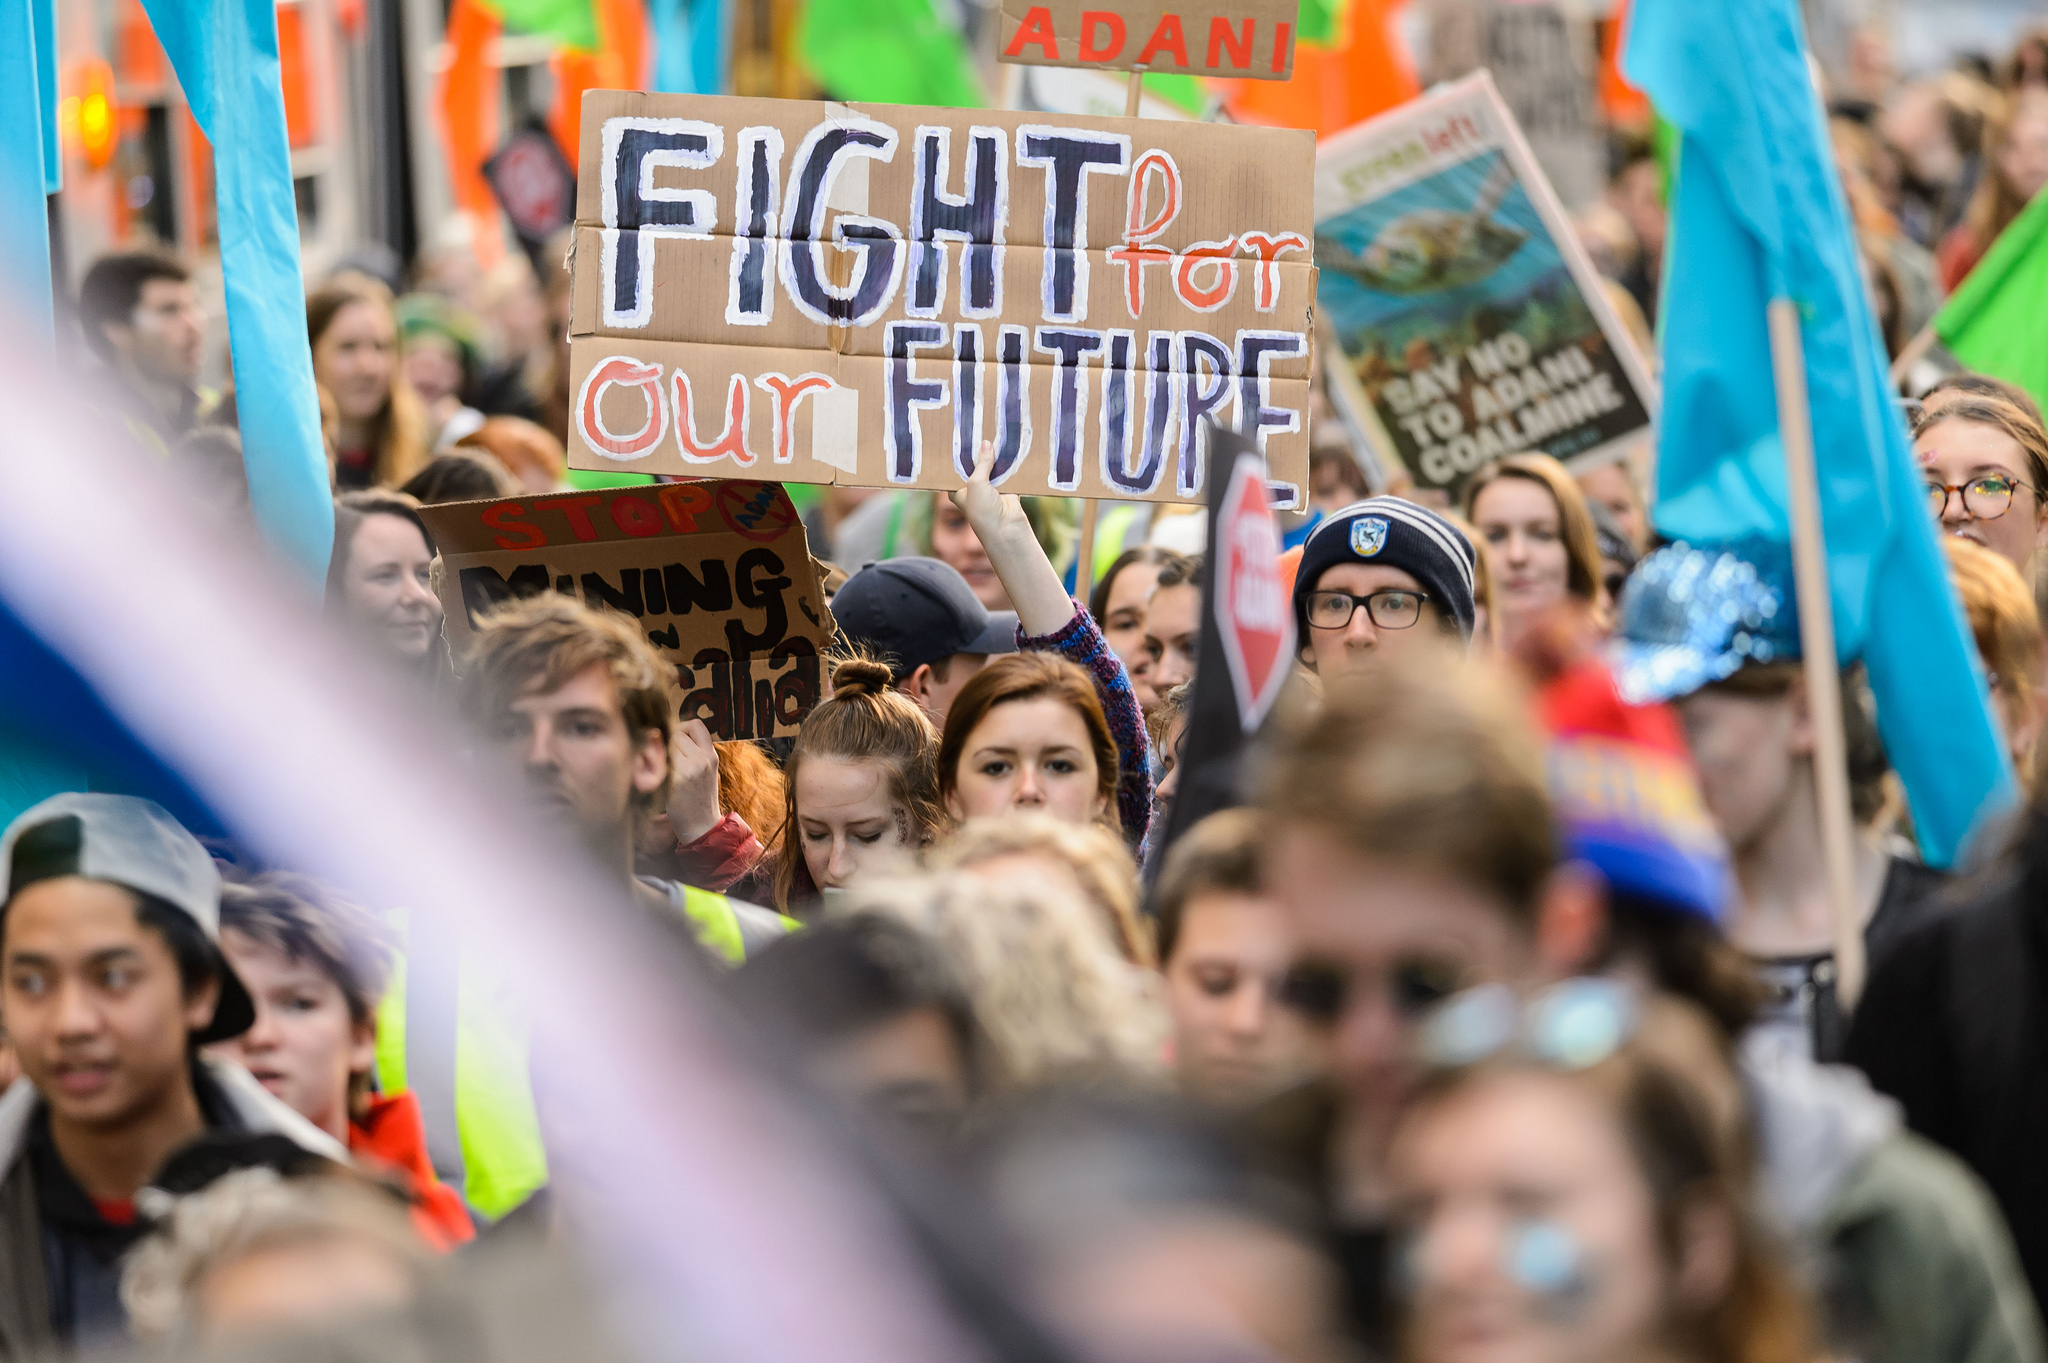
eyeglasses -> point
(1986, 498)
(1570, 1026)
(1393, 608)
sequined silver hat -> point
(1691, 617)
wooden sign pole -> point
(1817, 643)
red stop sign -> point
(1253, 613)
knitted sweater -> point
(1080, 641)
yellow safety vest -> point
(467, 1065)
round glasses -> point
(1393, 608)
(1987, 498)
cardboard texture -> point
(718, 575)
(1462, 300)
(841, 294)
(1540, 55)
(1253, 39)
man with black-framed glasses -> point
(1380, 577)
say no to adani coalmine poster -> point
(811, 292)
(718, 575)
(1452, 280)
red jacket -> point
(393, 1138)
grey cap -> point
(136, 844)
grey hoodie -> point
(1904, 1245)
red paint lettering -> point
(1211, 255)
(630, 373)
(1092, 19)
(683, 502)
(1281, 32)
(788, 392)
(1165, 38)
(576, 511)
(1035, 31)
(635, 515)
(1238, 43)
(1266, 274)
(517, 534)
(732, 441)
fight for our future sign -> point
(814, 292)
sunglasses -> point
(1572, 1025)
(1321, 990)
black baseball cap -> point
(914, 611)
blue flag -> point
(1757, 213)
(692, 45)
(225, 54)
(26, 163)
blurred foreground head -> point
(1560, 1204)
(1057, 998)
(877, 1015)
(1149, 1236)
(256, 1252)
(1412, 851)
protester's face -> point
(1331, 486)
(1168, 785)
(1397, 937)
(1506, 1177)
(910, 1067)
(355, 359)
(1519, 519)
(935, 693)
(93, 1002)
(1173, 634)
(1609, 486)
(581, 760)
(2024, 158)
(1031, 755)
(846, 819)
(1234, 1041)
(955, 543)
(1337, 651)
(1123, 625)
(1746, 749)
(166, 334)
(386, 585)
(433, 366)
(303, 1046)
(1955, 453)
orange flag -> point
(1366, 72)
(469, 116)
(618, 64)
(1624, 105)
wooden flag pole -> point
(1817, 643)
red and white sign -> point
(1253, 612)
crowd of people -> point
(1501, 1017)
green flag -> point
(1993, 321)
(887, 52)
(572, 23)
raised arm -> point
(1050, 621)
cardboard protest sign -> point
(1450, 275)
(812, 292)
(718, 574)
(1253, 39)
(1541, 61)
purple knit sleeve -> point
(1080, 641)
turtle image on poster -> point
(1461, 301)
